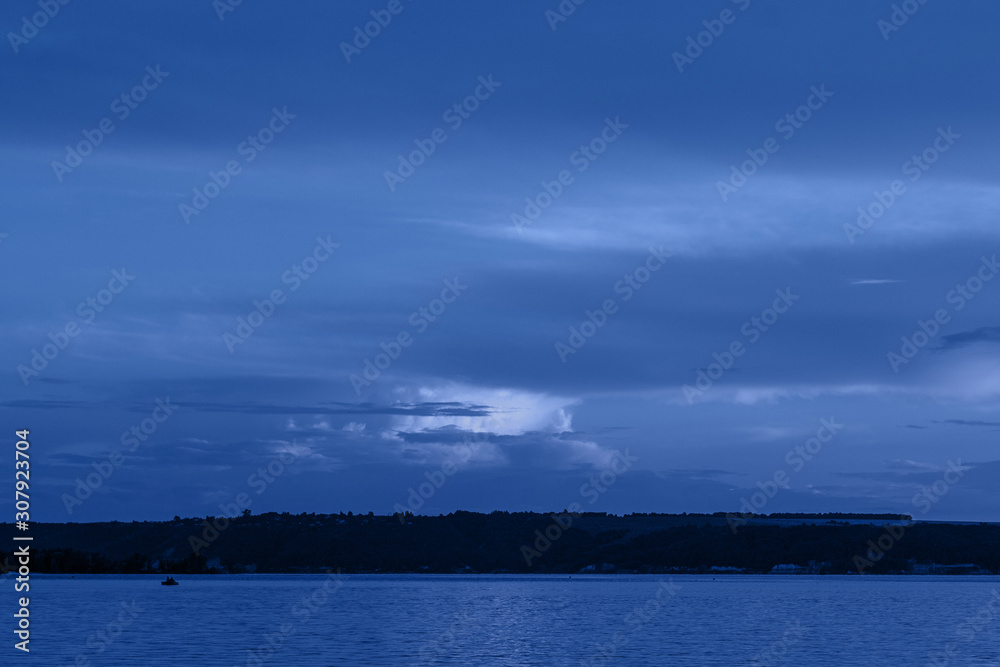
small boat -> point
(169, 582)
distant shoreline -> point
(550, 575)
(517, 543)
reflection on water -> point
(512, 620)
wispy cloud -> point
(969, 422)
(965, 338)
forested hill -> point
(518, 543)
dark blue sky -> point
(248, 156)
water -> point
(510, 620)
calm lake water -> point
(510, 620)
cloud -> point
(754, 394)
(905, 471)
(963, 376)
(875, 281)
(45, 404)
(522, 429)
(776, 209)
(968, 422)
(907, 465)
(769, 433)
(980, 335)
(704, 473)
(444, 410)
(510, 411)
(535, 451)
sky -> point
(651, 257)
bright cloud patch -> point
(513, 412)
(523, 428)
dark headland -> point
(519, 542)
